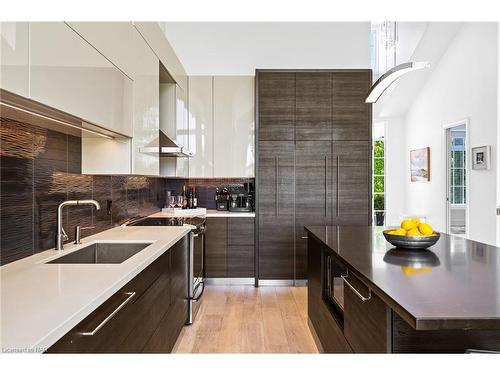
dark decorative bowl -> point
(411, 242)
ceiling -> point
(431, 46)
(238, 48)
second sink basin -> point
(102, 253)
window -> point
(379, 180)
(458, 162)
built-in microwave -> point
(333, 284)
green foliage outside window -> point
(378, 149)
(378, 184)
(378, 166)
(378, 202)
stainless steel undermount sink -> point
(102, 253)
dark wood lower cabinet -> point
(367, 325)
(326, 327)
(131, 320)
(366, 322)
(230, 247)
(216, 247)
(166, 333)
(407, 340)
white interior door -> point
(456, 178)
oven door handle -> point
(195, 297)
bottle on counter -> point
(190, 198)
(195, 198)
(184, 198)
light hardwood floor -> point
(244, 319)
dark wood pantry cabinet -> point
(313, 161)
(145, 316)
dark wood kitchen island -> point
(365, 296)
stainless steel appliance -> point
(196, 270)
(239, 199)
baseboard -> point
(230, 281)
(315, 336)
(282, 282)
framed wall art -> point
(481, 157)
(420, 168)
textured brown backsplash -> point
(40, 168)
(205, 187)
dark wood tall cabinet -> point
(313, 161)
(276, 192)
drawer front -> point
(241, 231)
(165, 335)
(240, 261)
(121, 315)
(216, 248)
(366, 322)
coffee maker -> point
(221, 199)
(241, 198)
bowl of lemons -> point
(413, 234)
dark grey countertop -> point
(458, 289)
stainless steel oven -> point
(196, 265)
(196, 271)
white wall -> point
(462, 85)
(498, 131)
(396, 163)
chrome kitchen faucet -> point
(61, 233)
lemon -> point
(416, 220)
(425, 229)
(413, 232)
(399, 232)
(408, 224)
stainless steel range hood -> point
(167, 147)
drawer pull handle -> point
(361, 297)
(304, 238)
(122, 305)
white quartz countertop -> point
(42, 302)
(209, 213)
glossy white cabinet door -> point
(14, 57)
(201, 132)
(146, 107)
(67, 73)
(234, 129)
(112, 39)
(152, 32)
(182, 130)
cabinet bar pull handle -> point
(361, 297)
(277, 196)
(338, 185)
(304, 237)
(329, 276)
(92, 333)
(326, 213)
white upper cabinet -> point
(67, 73)
(153, 34)
(201, 131)
(112, 39)
(234, 129)
(222, 126)
(146, 107)
(14, 57)
(182, 130)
